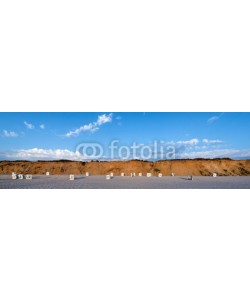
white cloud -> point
(119, 118)
(218, 153)
(193, 142)
(206, 141)
(102, 119)
(29, 125)
(214, 118)
(42, 126)
(44, 154)
(189, 142)
(76, 132)
(7, 133)
(92, 127)
(58, 154)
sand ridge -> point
(195, 167)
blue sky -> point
(34, 136)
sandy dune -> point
(197, 167)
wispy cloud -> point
(212, 142)
(188, 142)
(29, 125)
(42, 126)
(119, 118)
(92, 127)
(192, 148)
(214, 118)
(217, 153)
(194, 141)
(7, 133)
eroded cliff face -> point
(195, 167)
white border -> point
(95, 245)
(133, 56)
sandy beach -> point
(118, 182)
